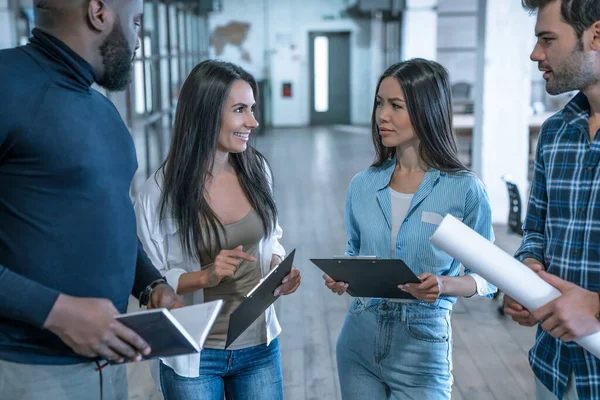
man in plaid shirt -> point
(562, 229)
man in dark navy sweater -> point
(69, 254)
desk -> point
(464, 123)
(467, 121)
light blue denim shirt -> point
(369, 213)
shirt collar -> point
(578, 107)
(387, 169)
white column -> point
(7, 30)
(419, 29)
(377, 51)
(502, 101)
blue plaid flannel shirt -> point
(562, 230)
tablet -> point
(258, 300)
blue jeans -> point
(390, 350)
(253, 373)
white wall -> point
(376, 52)
(419, 29)
(251, 12)
(457, 29)
(278, 45)
(501, 137)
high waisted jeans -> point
(389, 350)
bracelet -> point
(146, 293)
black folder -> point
(369, 277)
(258, 300)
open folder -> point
(176, 332)
(369, 276)
(258, 300)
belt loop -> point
(403, 312)
(384, 305)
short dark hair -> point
(580, 14)
(51, 4)
(426, 87)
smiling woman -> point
(238, 119)
(208, 221)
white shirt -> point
(161, 242)
(400, 206)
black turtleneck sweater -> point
(66, 219)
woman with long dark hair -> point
(208, 220)
(402, 349)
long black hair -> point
(428, 97)
(192, 154)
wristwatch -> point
(145, 294)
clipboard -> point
(258, 300)
(369, 276)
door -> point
(329, 78)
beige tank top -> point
(247, 232)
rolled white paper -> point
(507, 274)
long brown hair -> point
(192, 154)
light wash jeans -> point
(253, 373)
(389, 350)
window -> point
(321, 74)
(175, 40)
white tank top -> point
(400, 205)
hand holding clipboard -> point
(367, 276)
(261, 297)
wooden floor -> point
(312, 168)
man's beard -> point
(118, 60)
(577, 72)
